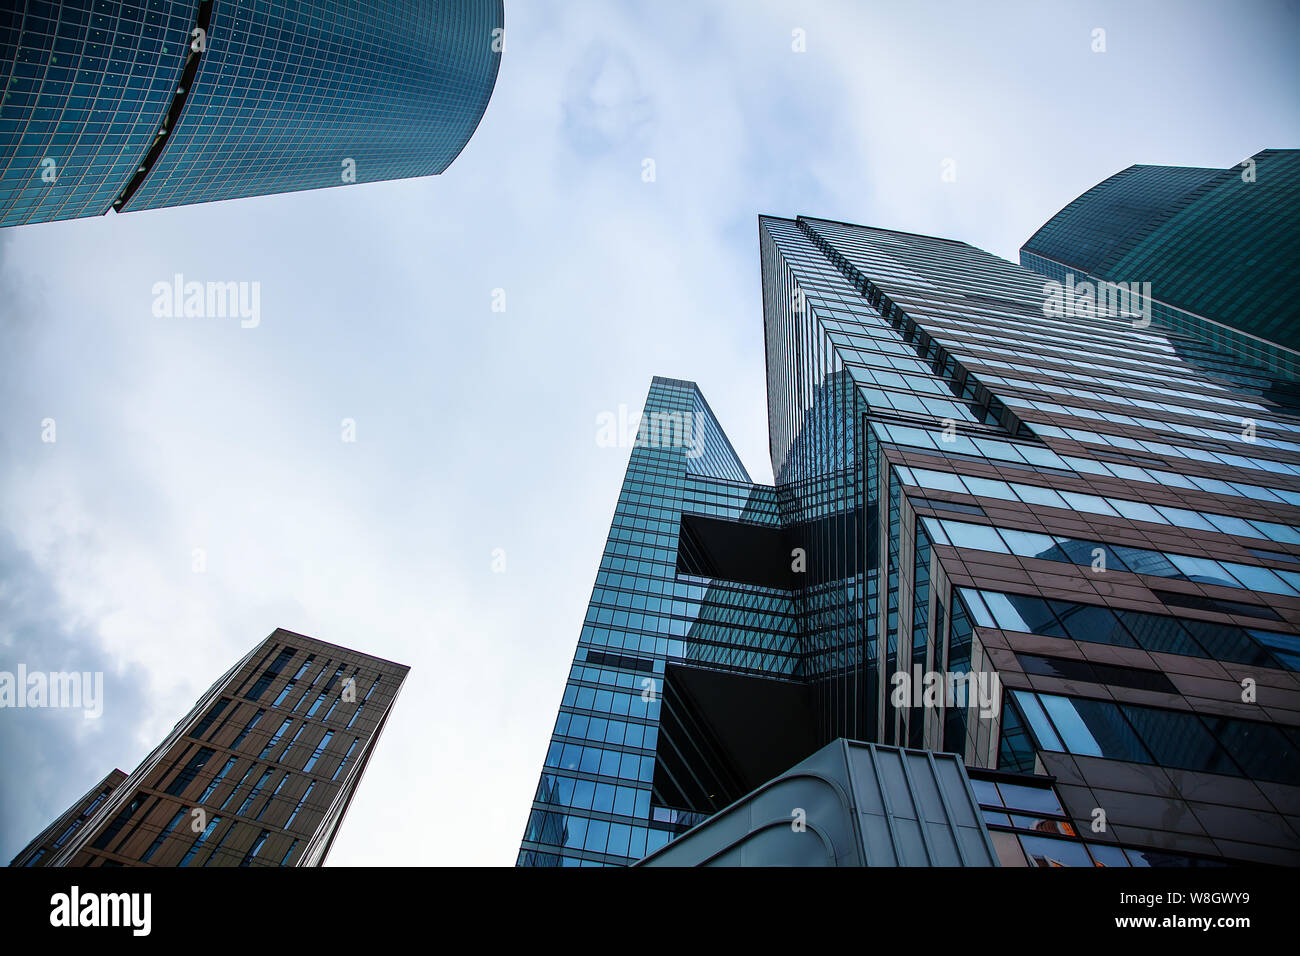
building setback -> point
(1085, 526)
(126, 106)
(259, 773)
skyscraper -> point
(126, 106)
(1012, 522)
(1218, 247)
(259, 773)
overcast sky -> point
(475, 429)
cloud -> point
(53, 755)
(605, 103)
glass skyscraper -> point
(139, 105)
(1008, 522)
(1217, 245)
(259, 773)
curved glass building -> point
(126, 106)
(1217, 245)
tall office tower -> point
(1218, 247)
(1005, 525)
(126, 106)
(259, 773)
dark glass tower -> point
(1087, 528)
(1219, 247)
(259, 773)
(125, 106)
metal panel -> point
(849, 804)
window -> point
(1179, 740)
(1030, 544)
(270, 673)
(1201, 569)
(1082, 551)
(1285, 647)
(1170, 738)
(941, 480)
(303, 799)
(1017, 796)
(275, 738)
(1152, 632)
(1136, 510)
(217, 779)
(190, 771)
(253, 794)
(344, 762)
(231, 795)
(247, 727)
(988, 488)
(1225, 642)
(202, 727)
(1017, 612)
(977, 537)
(334, 703)
(355, 714)
(274, 794)
(1093, 728)
(1261, 750)
(279, 698)
(1201, 603)
(153, 847)
(1110, 675)
(1090, 622)
(289, 746)
(1042, 727)
(198, 844)
(255, 848)
(234, 825)
(320, 749)
(1044, 851)
(1255, 578)
(1089, 503)
(1036, 495)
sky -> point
(476, 429)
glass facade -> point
(1029, 827)
(1091, 524)
(593, 803)
(116, 105)
(86, 88)
(1217, 246)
